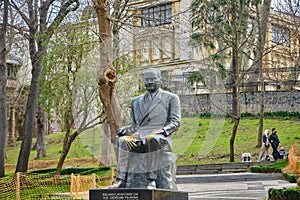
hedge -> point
(284, 194)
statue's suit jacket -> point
(162, 112)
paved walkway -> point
(232, 186)
(237, 186)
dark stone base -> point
(136, 194)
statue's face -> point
(152, 81)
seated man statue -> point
(155, 115)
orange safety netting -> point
(294, 160)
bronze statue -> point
(155, 115)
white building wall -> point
(186, 52)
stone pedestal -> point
(136, 194)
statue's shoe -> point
(118, 184)
(151, 185)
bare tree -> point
(263, 16)
(68, 94)
(221, 28)
(41, 18)
(3, 80)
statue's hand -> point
(136, 134)
(131, 144)
(121, 132)
(161, 132)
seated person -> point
(283, 153)
(155, 115)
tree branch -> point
(62, 13)
(24, 17)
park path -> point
(226, 182)
(231, 186)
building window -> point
(157, 15)
(167, 47)
(145, 50)
(155, 50)
(281, 35)
(11, 71)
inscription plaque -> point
(136, 194)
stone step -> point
(210, 178)
(217, 168)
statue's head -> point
(152, 79)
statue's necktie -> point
(148, 100)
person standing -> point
(265, 147)
(274, 143)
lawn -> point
(205, 140)
(198, 141)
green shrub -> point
(99, 170)
(44, 171)
(283, 114)
(292, 178)
(269, 168)
(246, 114)
(279, 114)
(68, 171)
(284, 194)
(205, 115)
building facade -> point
(161, 38)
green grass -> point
(81, 148)
(198, 141)
(191, 137)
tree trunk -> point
(40, 144)
(69, 136)
(106, 158)
(12, 124)
(262, 30)
(109, 50)
(64, 153)
(107, 72)
(36, 53)
(68, 140)
(22, 164)
(261, 117)
(3, 80)
(236, 122)
(116, 48)
(120, 117)
(235, 101)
